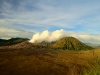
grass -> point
(94, 68)
(49, 62)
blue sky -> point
(78, 16)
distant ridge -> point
(12, 41)
(70, 43)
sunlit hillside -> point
(70, 43)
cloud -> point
(48, 14)
(38, 15)
(87, 38)
(57, 34)
(6, 33)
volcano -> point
(70, 43)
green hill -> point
(70, 43)
(12, 41)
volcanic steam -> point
(48, 36)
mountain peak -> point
(70, 43)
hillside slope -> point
(70, 43)
(12, 41)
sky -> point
(23, 18)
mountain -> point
(70, 43)
(12, 41)
(1, 40)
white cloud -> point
(7, 33)
(88, 38)
(11, 33)
(57, 34)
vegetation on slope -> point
(12, 41)
(70, 43)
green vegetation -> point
(70, 43)
(94, 68)
(12, 41)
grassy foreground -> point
(49, 62)
(94, 68)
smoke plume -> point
(47, 36)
